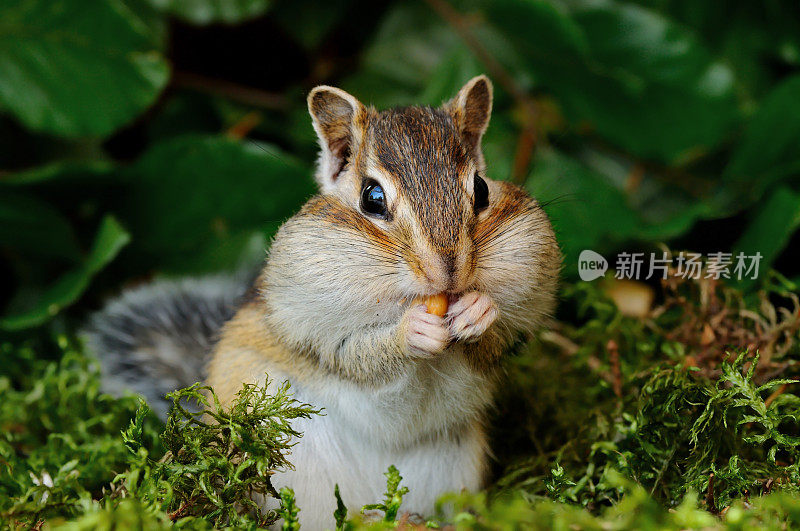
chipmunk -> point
(404, 210)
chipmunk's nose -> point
(447, 268)
(437, 273)
(462, 267)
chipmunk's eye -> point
(373, 199)
(481, 191)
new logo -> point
(591, 265)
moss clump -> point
(217, 460)
(60, 441)
(646, 398)
(608, 423)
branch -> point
(232, 91)
(246, 123)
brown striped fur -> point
(426, 157)
(333, 312)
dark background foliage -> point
(147, 137)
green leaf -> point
(769, 153)
(546, 33)
(586, 210)
(60, 171)
(288, 510)
(629, 74)
(340, 514)
(208, 11)
(618, 34)
(157, 24)
(773, 225)
(76, 68)
(590, 207)
(498, 150)
(110, 239)
(658, 93)
(667, 210)
(393, 498)
(310, 21)
(193, 197)
(447, 80)
(31, 226)
(412, 50)
(752, 37)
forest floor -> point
(683, 417)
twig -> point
(529, 135)
(526, 144)
(775, 394)
(634, 178)
(175, 514)
(712, 508)
(667, 463)
(566, 345)
(570, 348)
(246, 123)
(613, 358)
(233, 91)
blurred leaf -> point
(546, 32)
(499, 146)
(218, 192)
(587, 211)
(208, 11)
(776, 220)
(184, 112)
(753, 37)
(629, 74)
(310, 21)
(412, 50)
(31, 226)
(591, 209)
(769, 153)
(667, 205)
(64, 170)
(240, 251)
(156, 22)
(456, 68)
(111, 237)
(619, 33)
(76, 68)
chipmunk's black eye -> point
(373, 199)
(481, 193)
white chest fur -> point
(427, 424)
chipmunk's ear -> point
(337, 118)
(471, 110)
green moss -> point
(609, 423)
(60, 442)
(218, 459)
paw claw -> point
(426, 334)
(471, 316)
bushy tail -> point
(157, 338)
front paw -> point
(425, 334)
(471, 315)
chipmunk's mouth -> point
(451, 297)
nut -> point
(435, 304)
